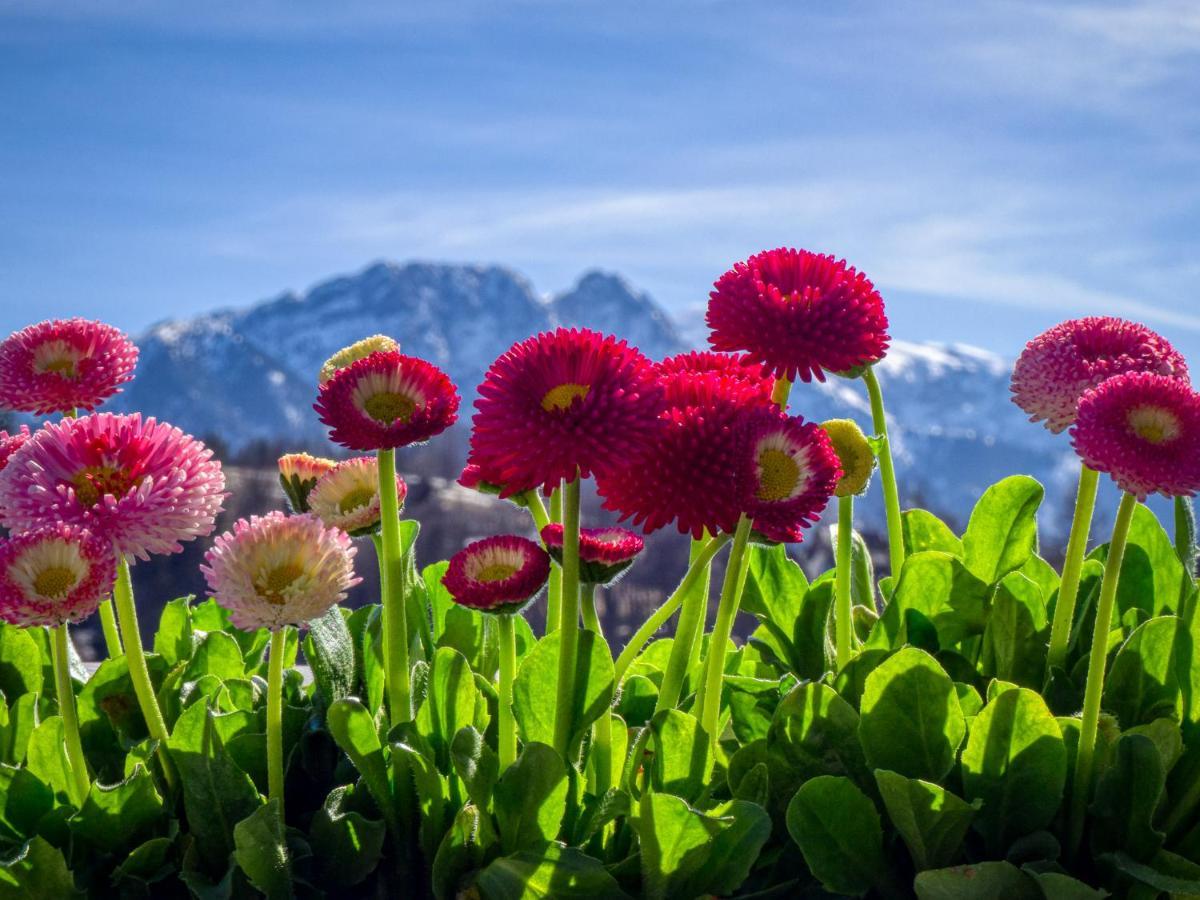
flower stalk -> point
(395, 625)
(275, 717)
(723, 627)
(506, 730)
(887, 472)
(568, 619)
(59, 652)
(1068, 590)
(844, 610)
(554, 589)
(602, 731)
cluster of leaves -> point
(938, 763)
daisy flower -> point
(298, 475)
(11, 443)
(54, 575)
(347, 496)
(64, 365)
(497, 574)
(604, 553)
(795, 472)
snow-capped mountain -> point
(250, 374)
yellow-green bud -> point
(358, 350)
(855, 453)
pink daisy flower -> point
(604, 553)
(11, 443)
(1060, 365)
(142, 485)
(387, 400)
(563, 401)
(1142, 429)
(277, 570)
(347, 496)
(798, 313)
(63, 365)
(796, 470)
(679, 369)
(54, 575)
(298, 475)
(497, 574)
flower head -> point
(11, 443)
(677, 371)
(347, 496)
(142, 485)
(298, 475)
(54, 575)
(1143, 430)
(376, 343)
(855, 454)
(387, 400)
(474, 478)
(498, 574)
(278, 570)
(1060, 365)
(604, 553)
(795, 472)
(561, 402)
(800, 314)
(64, 365)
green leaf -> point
(932, 821)
(862, 573)
(925, 531)
(174, 638)
(1057, 886)
(1185, 533)
(1152, 577)
(349, 844)
(217, 654)
(216, 793)
(37, 871)
(531, 799)
(1127, 795)
(977, 881)
(1160, 876)
(460, 853)
(117, 816)
(1145, 679)
(330, 651)
(536, 685)
(837, 829)
(935, 587)
(682, 762)
(686, 853)
(20, 662)
(24, 800)
(439, 599)
(261, 851)
(1015, 761)
(47, 759)
(1013, 641)
(1001, 535)
(451, 702)
(553, 872)
(476, 764)
(354, 730)
(775, 584)
(146, 864)
(911, 722)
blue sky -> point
(993, 166)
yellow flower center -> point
(778, 475)
(387, 407)
(356, 498)
(57, 357)
(562, 396)
(272, 586)
(496, 572)
(1154, 424)
(55, 581)
(93, 482)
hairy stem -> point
(887, 473)
(843, 618)
(275, 718)
(506, 731)
(554, 591)
(60, 654)
(723, 627)
(1068, 589)
(395, 624)
(568, 625)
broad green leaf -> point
(1013, 641)
(173, 640)
(932, 821)
(119, 815)
(476, 764)
(329, 649)
(1144, 682)
(349, 845)
(24, 800)
(978, 881)
(536, 685)
(862, 573)
(1015, 761)
(216, 793)
(935, 587)
(1001, 535)
(925, 531)
(47, 759)
(36, 871)
(554, 872)
(686, 853)
(217, 654)
(910, 720)
(433, 793)
(460, 853)
(439, 599)
(1057, 886)
(775, 584)
(261, 851)
(682, 762)
(14, 736)
(531, 799)
(837, 829)
(1152, 577)
(354, 730)
(752, 703)
(1163, 874)
(146, 864)
(1185, 533)
(20, 662)
(1127, 795)
(450, 703)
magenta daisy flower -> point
(1060, 365)
(64, 365)
(347, 496)
(474, 478)
(679, 369)
(796, 470)
(604, 553)
(498, 574)
(11, 443)
(387, 400)
(561, 402)
(1142, 429)
(54, 575)
(800, 314)
(298, 475)
(277, 570)
(143, 485)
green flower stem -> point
(537, 509)
(688, 633)
(108, 624)
(704, 586)
(554, 591)
(887, 472)
(723, 627)
(602, 731)
(139, 674)
(60, 653)
(275, 718)
(698, 569)
(568, 624)
(395, 625)
(506, 729)
(781, 392)
(1068, 590)
(1085, 755)
(843, 618)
